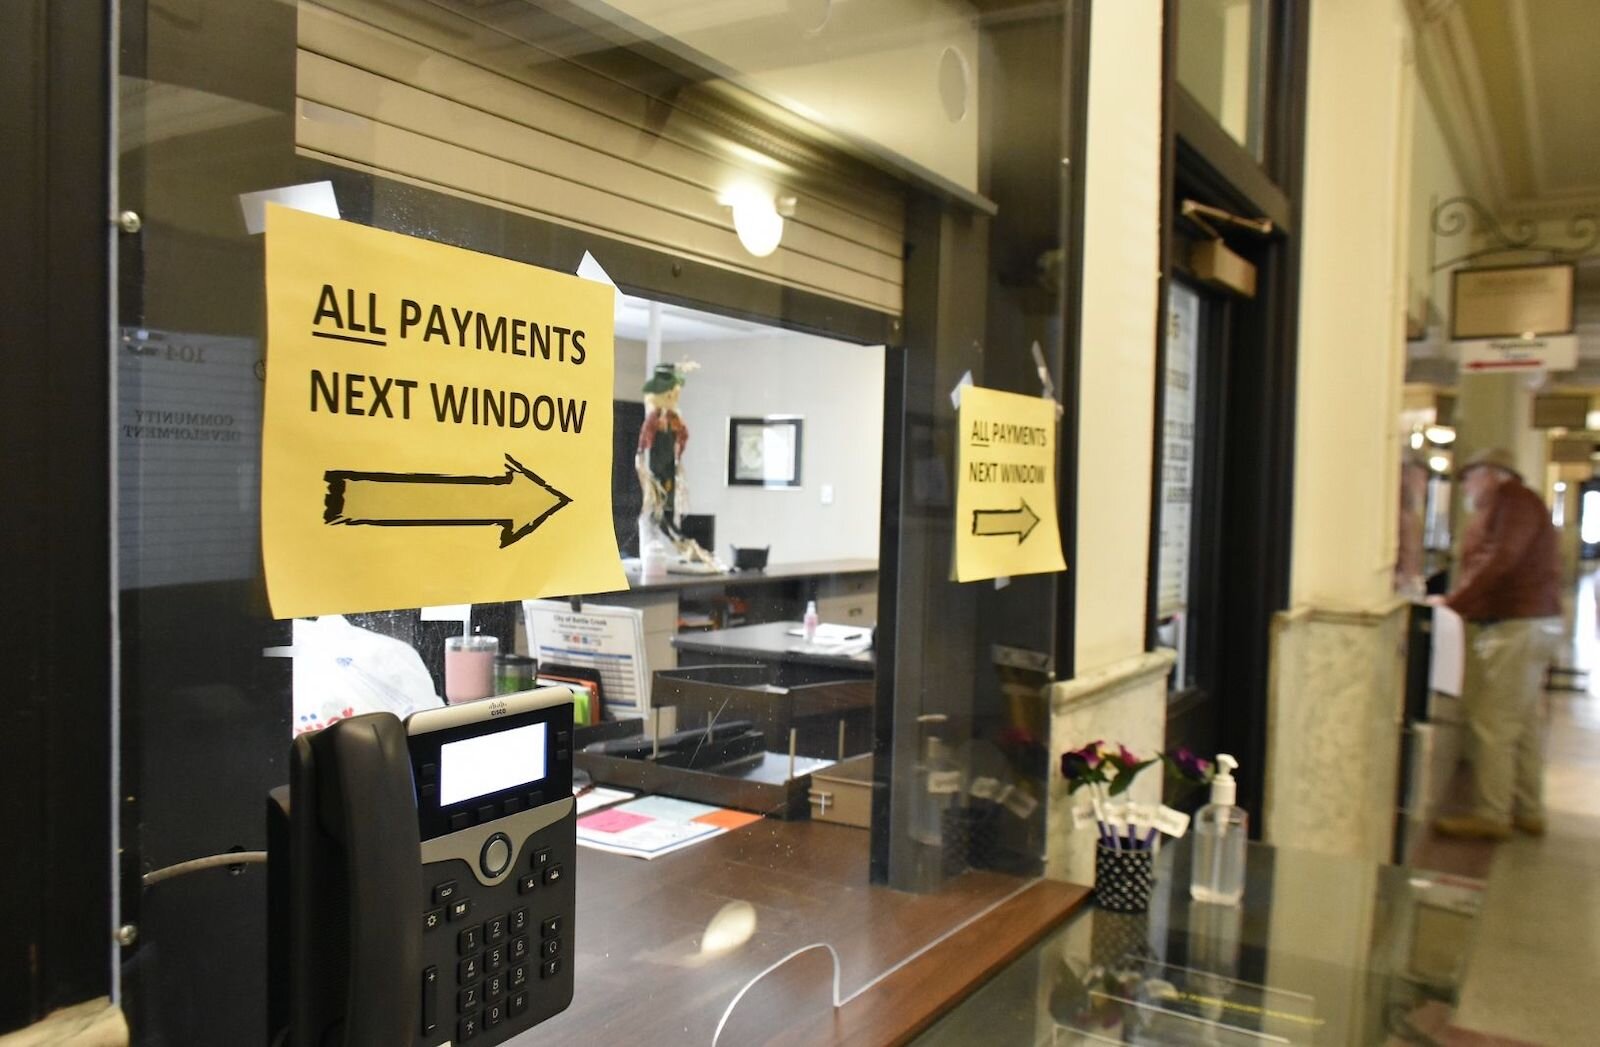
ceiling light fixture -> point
(757, 217)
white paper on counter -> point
(598, 797)
(1449, 651)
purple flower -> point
(1074, 766)
(1185, 764)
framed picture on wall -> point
(764, 452)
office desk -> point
(793, 661)
(774, 574)
(846, 592)
(642, 979)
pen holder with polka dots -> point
(1123, 879)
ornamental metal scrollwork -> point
(1463, 214)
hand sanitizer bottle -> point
(810, 624)
(1220, 830)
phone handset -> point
(354, 951)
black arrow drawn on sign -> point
(517, 501)
(990, 523)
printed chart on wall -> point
(1177, 451)
(437, 426)
(1006, 486)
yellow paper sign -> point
(437, 426)
(1006, 487)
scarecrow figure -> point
(659, 463)
(659, 460)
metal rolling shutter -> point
(429, 96)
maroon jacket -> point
(1510, 566)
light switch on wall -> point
(827, 494)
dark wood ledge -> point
(908, 1001)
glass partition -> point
(1222, 62)
(791, 727)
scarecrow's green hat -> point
(666, 377)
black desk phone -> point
(420, 876)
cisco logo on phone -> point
(497, 708)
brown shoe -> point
(1471, 827)
(1531, 826)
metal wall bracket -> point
(1463, 214)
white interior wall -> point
(836, 387)
(629, 375)
(1356, 206)
(1121, 267)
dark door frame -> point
(56, 746)
(1252, 513)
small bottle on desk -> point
(1220, 831)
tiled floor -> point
(1534, 973)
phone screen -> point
(491, 762)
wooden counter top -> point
(641, 976)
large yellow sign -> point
(1006, 486)
(437, 426)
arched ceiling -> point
(1516, 84)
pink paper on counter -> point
(612, 821)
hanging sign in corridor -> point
(1006, 486)
(437, 425)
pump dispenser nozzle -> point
(1223, 788)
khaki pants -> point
(1505, 721)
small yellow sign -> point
(437, 426)
(1006, 486)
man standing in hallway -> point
(1508, 587)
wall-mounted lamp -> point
(757, 217)
(1438, 434)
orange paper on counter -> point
(726, 819)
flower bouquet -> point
(1129, 833)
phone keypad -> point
(499, 953)
(486, 975)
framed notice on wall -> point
(1516, 301)
(764, 452)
